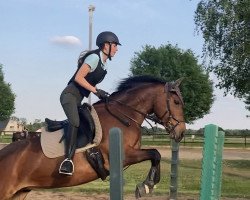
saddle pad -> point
(50, 140)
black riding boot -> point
(67, 166)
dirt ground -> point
(35, 195)
(77, 196)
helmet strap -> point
(108, 55)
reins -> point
(122, 120)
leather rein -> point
(169, 127)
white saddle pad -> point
(50, 140)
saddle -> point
(87, 126)
(88, 138)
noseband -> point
(168, 125)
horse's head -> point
(168, 109)
(148, 95)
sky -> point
(40, 42)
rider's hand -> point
(101, 94)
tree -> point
(7, 98)
(23, 121)
(247, 102)
(34, 126)
(170, 63)
(225, 25)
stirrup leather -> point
(64, 161)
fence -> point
(196, 140)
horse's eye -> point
(176, 102)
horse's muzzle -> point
(176, 136)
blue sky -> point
(41, 40)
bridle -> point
(169, 126)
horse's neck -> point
(142, 101)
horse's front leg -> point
(135, 156)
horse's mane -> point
(134, 81)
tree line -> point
(31, 126)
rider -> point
(90, 71)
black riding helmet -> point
(105, 37)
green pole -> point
(116, 163)
(212, 163)
(218, 172)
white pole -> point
(91, 10)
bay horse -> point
(22, 135)
(24, 166)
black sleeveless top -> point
(93, 78)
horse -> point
(24, 166)
(22, 135)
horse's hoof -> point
(141, 190)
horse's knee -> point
(156, 157)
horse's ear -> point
(178, 81)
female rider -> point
(91, 71)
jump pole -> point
(116, 157)
(212, 163)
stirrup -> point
(64, 172)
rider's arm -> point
(80, 78)
(89, 65)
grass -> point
(5, 138)
(235, 179)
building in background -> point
(10, 126)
